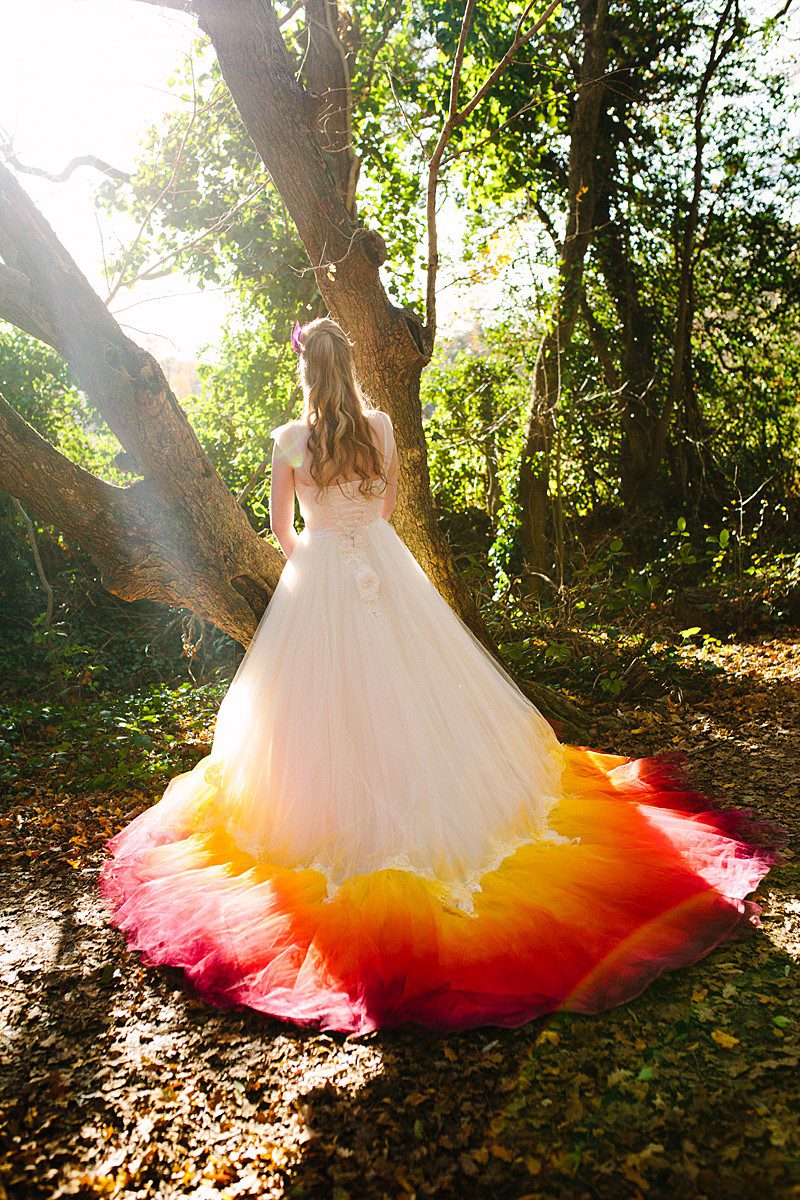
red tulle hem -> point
(653, 876)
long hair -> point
(340, 442)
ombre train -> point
(387, 831)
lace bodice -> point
(339, 508)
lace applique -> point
(398, 862)
(458, 895)
(354, 550)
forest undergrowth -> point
(117, 1082)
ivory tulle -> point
(387, 831)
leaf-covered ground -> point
(117, 1082)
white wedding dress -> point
(386, 830)
(362, 685)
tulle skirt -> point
(387, 831)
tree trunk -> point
(585, 126)
(639, 373)
(533, 480)
(282, 119)
(689, 433)
(488, 416)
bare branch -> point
(465, 150)
(287, 16)
(450, 123)
(82, 160)
(37, 562)
(406, 119)
(547, 221)
(146, 219)
(327, 74)
(508, 57)
(455, 117)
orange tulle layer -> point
(657, 879)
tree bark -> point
(327, 73)
(639, 372)
(142, 550)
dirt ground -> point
(116, 1082)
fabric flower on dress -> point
(368, 580)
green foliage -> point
(109, 742)
(34, 381)
(475, 392)
(111, 694)
(715, 545)
(249, 390)
(202, 201)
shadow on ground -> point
(117, 1082)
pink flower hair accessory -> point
(297, 338)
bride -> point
(386, 830)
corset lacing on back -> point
(345, 514)
(336, 510)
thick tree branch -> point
(327, 73)
(282, 118)
(18, 306)
(220, 568)
(142, 550)
(61, 493)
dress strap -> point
(291, 441)
(387, 438)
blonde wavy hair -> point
(340, 443)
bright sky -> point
(88, 77)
